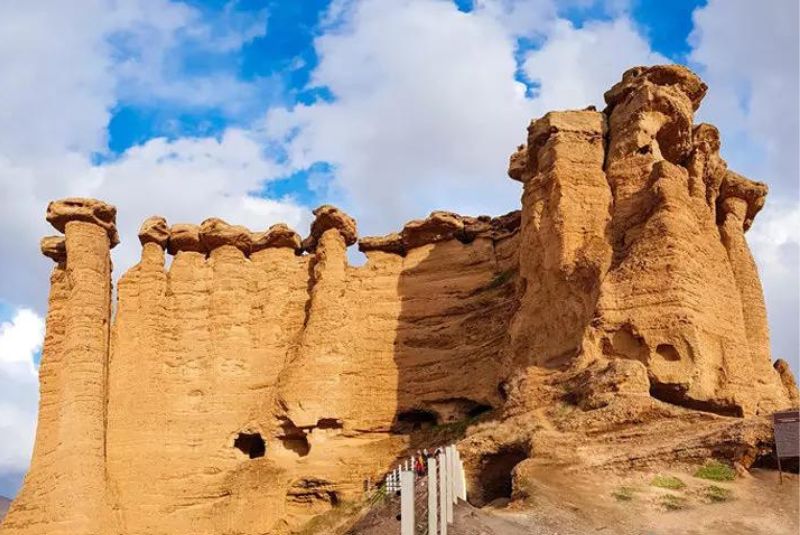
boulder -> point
(439, 226)
(329, 217)
(54, 247)
(61, 212)
(185, 237)
(390, 243)
(278, 235)
(154, 230)
(215, 232)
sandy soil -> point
(757, 505)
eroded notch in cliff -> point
(251, 444)
(497, 473)
(293, 438)
(415, 420)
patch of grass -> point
(623, 494)
(717, 494)
(667, 482)
(379, 496)
(716, 471)
(672, 502)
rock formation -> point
(260, 379)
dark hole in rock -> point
(293, 438)
(250, 444)
(329, 423)
(414, 420)
(644, 150)
(668, 352)
(478, 410)
(768, 461)
(496, 473)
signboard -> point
(787, 433)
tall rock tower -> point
(65, 488)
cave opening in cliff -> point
(496, 473)
(479, 410)
(251, 444)
(415, 420)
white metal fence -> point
(426, 507)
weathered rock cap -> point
(185, 237)
(278, 235)
(154, 230)
(753, 193)
(54, 247)
(491, 227)
(439, 226)
(585, 124)
(329, 217)
(61, 212)
(390, 243)
(442, 226)
(676, 76)
(215, 232)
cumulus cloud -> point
(20, 339)
(574, 67)
(58, 94)
(428, 104)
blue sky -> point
(286, 53)
(259, 111)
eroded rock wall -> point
(259, 379)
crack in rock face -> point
(615, 321)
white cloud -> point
(189, 179)
(576, 66)
(20, 339)
(65, 66)
(427, 109)
(749, 57)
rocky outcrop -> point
(617, 321)
(154, 230)
(279, 235)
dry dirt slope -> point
(592, 503)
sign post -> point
(786, 425)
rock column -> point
(65, 491)
(90, 234)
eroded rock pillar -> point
(65, 492)
(564, 251)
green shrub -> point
(672, 502)
(717, 494)
(716, 471)
(667, 482)
(623, 494)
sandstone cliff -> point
(259, 379)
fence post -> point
(432, 517)
(448, 469)
(406, 503)
(461, 478)
(442, 495)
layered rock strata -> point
(260, 378)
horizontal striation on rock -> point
(260, 379)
